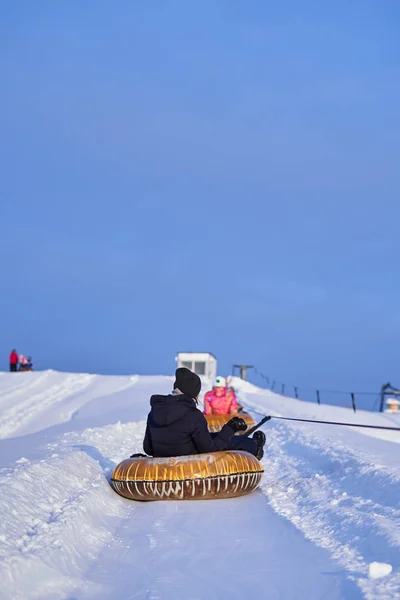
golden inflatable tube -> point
(226, 474)
(216, 422)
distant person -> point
(13, 361)
(25, 363)
(220, 401)
(176, 427)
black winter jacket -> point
(175, 427)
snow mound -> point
(327, 511)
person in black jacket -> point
(176, 427)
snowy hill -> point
(328, 507)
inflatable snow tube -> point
(226, 474)
(216, 422)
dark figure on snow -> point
(176, 427)
(13, 361)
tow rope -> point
(250, 431)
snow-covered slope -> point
(327, 510)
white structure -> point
(202, 363)
(392, 406)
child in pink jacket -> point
(220, 401)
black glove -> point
(237, 424)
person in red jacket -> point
(13, 361)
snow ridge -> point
(341, 496)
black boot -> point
(260, 438)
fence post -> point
(382, 404)
(318, 398)
(296, 392)
(272, 386)
(383, 392)
(283, 389)
(353, 401)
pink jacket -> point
(22, 360)
(220, 402)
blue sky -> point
(220, 175)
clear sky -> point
(219, 175)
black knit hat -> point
(187, 382)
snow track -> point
(323, 496)
(16, 417)
(341, 490)
(328, 506)
(20, 385)
(199, 551)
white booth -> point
(202, 363)
(392, 406)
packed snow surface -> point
(323, 525)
